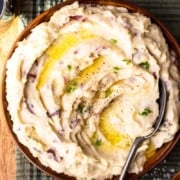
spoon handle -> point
(131, 155)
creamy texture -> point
(84, 85)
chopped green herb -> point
(80, 108)
(69, 67)
(146, 112)
(116, 69)
(129, 33)
(127, 61)
(71, 87)
(88, 109)
(83, 109)
(107, 92)
(145, 65)
(98, 142)
(113, 41)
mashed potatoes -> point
(84, 85)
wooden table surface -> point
(8, 33)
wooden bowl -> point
(45, 16)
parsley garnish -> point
(80, 108)
(116, 69)
(146, 112)
(69, 67)
(113, 41)
(71, 87)
(88, 109)
(98, 142)
(83, 109)
(129, 33)
(127, 61)
(107, 92)
(145, 65)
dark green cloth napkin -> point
(168, 11)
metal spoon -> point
(139, 140)
(2, 7)
(8, 8)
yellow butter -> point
(58, 49)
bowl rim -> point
(167, 147)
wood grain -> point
(8, 34)
(7, 154)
